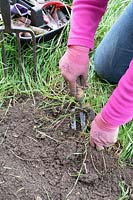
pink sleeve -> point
(86, 15)
(119, 108)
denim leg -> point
(114, 53)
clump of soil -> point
(42, 158)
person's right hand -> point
(102, 134)
(74, 66)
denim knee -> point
(103, 68)
(114, 53)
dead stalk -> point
(30, 160)
(100, 195)
(86, 171)
(94, 165)
(19, 190)
(18, 177)
(8, 168)
(4, 136)
(46, 192)
(59, 124)
(31, 138)
(44, 134)
(80, 171)
(104, 162)
(9, 105)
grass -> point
(125, 190)
(49, 81)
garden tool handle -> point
(79, 91)
(6, 14)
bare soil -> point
(41, 159)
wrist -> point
(103, 124)
(78, 55)
(79, 49)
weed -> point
(124, 191)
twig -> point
(44, 134)
(8, 168)
(23, 158)
(9, 105)
(104, 162)
(31, 138)
(19, 177)
(100, 195)
(59, 124)
(4, 136)
(74, 154)
(94, 165)
(46, 192)
(86, 171)
(83, 163)
(19, 190)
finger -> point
(72, 86)
(96, 145)
(83, 81)
(79, 93)
(92, 143)
(78, 81)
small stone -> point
(38, 197)
(15, 135)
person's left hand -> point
(102, 134)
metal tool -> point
(82, 115)
(78, 117)
(9, 27)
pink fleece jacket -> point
(86, 15)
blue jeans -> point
(114, 53)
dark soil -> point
(40, 159)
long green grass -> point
(49, 81)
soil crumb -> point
(42, 158)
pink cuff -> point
(81, 42)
